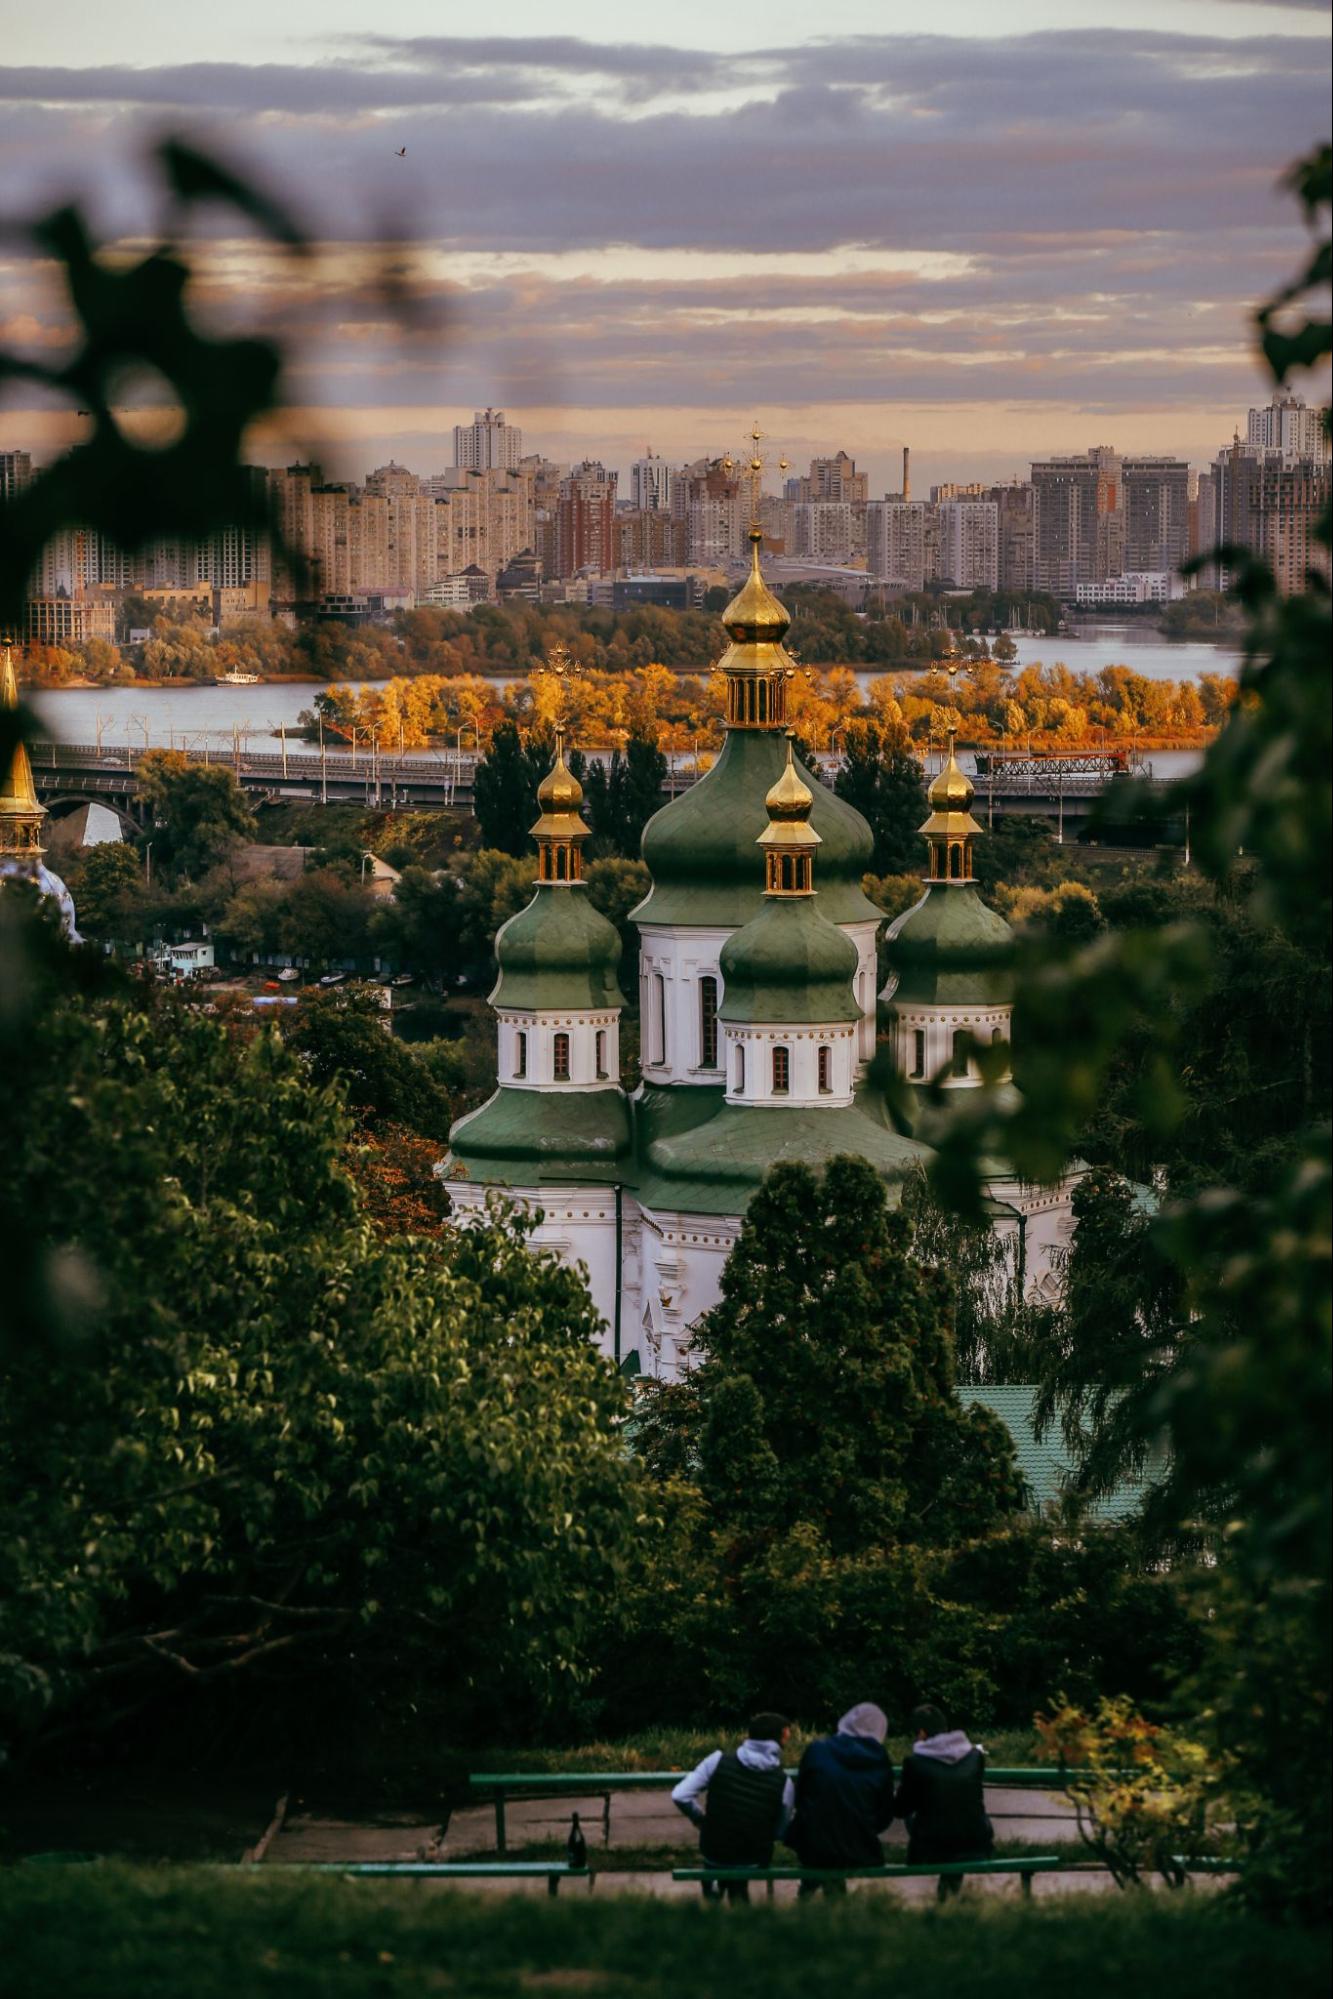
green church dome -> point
(558, 953)
(927, 941)
(700, 849)
(789, 963)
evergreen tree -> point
(881, 777)
(824, 1391)
(624, 794)
(505, 788)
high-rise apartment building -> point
(969, 544)
(585, 521)
(903, 543)
(15, 473)
(1156, 507)
(1288, 426)
(836, 480)
(1014, 510)
(832, 531)
(1078, 521)
(650, 484)
(488, 443)
(1264, 503)
(644, 539)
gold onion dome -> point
(754, 616)
(788, 804)
(952, 790)
(559, 791)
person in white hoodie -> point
(748, 1801)
(941, 1796)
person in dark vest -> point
(844, 1797)
(747, 1803)
(941, 1797)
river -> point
(191, 717)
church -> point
(759, 1016)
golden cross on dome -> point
(561, 664)
(753, 467)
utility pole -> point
(282, 738)
(323, 770)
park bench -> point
(1024, 1865)
(503, 1787)
(552, 1871)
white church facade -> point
(759, 1017)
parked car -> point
(333, 978)
(289, 975)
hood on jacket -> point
(866, 1721)
(950, 1747)
(760, 1755)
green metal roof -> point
(1045, 1463)
(558, 952)
(522, 1138)
(934, 947)
(789, 963)
(714, 1166)
(700, 849)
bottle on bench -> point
(576, 1846)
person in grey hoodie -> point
(844, 1796)
(941, 1797)
(748, 1803)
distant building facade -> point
(488, 443)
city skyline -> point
(867, 237)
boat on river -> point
(235, 678)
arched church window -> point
(781, 1071)
(708, 1022)
(918, 1051)
(560, 864)
(825, 1071)
(659, 1017)
(740, 1071)
(520, 1054)
(960, 1046)
(560, 1058)
(955, 863)
(601, 1051)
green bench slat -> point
(583, 1783)
(891, 1871)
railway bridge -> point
(1059, 789)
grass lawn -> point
(118, 1932)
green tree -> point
(839, 1349)
(505, 788)
(624, 794)
(110, 899)
(341, 1037)
(1241, 1401)
(881, 777)
(199, 810)
(378, 1473)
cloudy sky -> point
(1037, 226)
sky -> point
(1028, 229)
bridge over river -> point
(1059, 789)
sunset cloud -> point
(1067, 226)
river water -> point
(191, 717)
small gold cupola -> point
(950, 829)
(789, 840)
(560, 831)
(756, 664)
(22, 814)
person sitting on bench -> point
(844, 1797)
(748, 1803)
(941, 1797)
